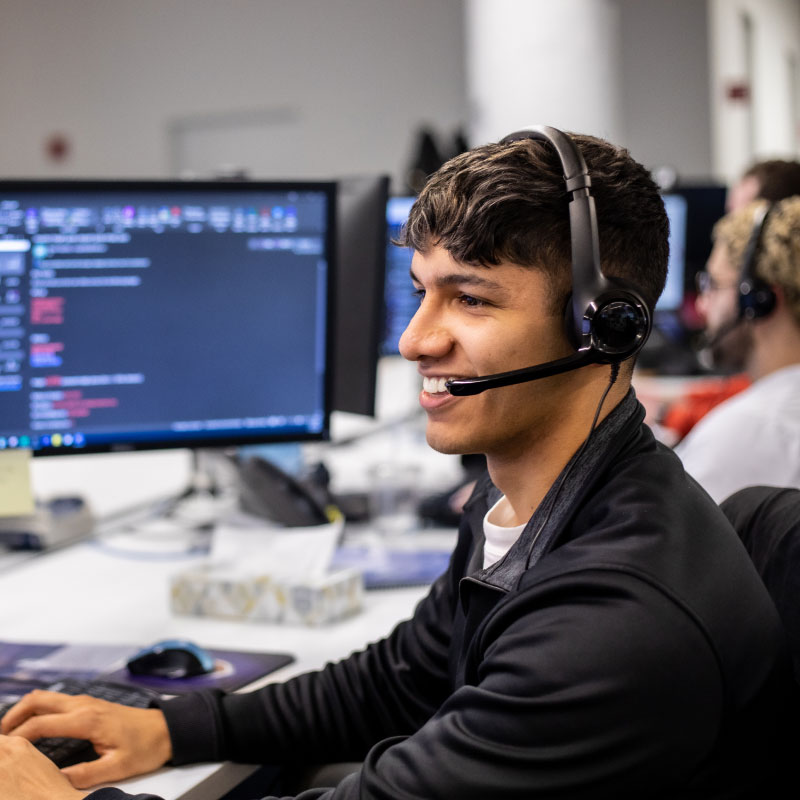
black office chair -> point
(767, 519)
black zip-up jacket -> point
(638, 655)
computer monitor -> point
(360, 276)
(705, 205)
(400, 304)
(672, 297)
(152, 314)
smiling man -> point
(600, 631)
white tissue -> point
(250, 543)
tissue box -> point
(220, 590)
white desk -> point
(86, 594)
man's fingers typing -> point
(128, 740)
(35, 703)
(72, 724)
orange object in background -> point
(683, 414)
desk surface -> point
(88, 594)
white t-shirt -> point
(498, 539)
(751, 439)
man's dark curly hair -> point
(777, 178)
(508, 203)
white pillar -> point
(552, 62)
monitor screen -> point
(672, 297)
(149, 314)
(705, 205)
(360, 274)
(400, 303)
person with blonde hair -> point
(749, 296)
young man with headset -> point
(750, 299)
(600, 632)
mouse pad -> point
(24, 663)
(233, 669)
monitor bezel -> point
(226, 439)
(360, 280)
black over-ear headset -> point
(606, 321)
(756, 298)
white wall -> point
(335, 86)
(325, 87)
(666, 85)
(767, 126)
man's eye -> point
(470, 301)
(419, 294)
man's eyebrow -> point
(458, 278)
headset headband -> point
(608, 320)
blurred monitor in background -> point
(671, 298)
(400, 302)
(671, 349)
(359, 299)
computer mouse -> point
(171, 658)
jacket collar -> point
(558, 505)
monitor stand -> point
(211, 490)
(181, 525)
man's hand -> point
(129, 741)
(25, 774)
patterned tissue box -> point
(222, 590)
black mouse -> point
(171, 658)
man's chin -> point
(730, 353)
(727, 359)
(448, 445)
(446, 448)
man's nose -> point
(425, 335)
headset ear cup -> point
(756, 300)
(618, 323)
(756, 297)
(620, 328)
(613, 327)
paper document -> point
(16, 495)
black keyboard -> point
(66, 751)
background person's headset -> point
(756, 298)
(606, 322)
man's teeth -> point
(435, 385)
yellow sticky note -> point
(16, 495)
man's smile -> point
(436, 384)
